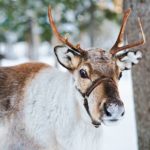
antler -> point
(116, 48)
(59, 36)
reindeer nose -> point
(114, 109)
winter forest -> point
(26, 35)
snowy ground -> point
(121, 136)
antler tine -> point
(121, 33)
(116, 47)
(59, 36)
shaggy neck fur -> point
(57, 111)
(51, 117)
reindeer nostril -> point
(123, 114)
(114, 109)
(106, 110)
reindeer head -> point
(97, 72)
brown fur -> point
(12, 81)
(99, 64)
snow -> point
(121, 136)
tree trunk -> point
(33, 39)
(141, 72)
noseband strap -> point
(87, 94)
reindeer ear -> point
(67, 57)
(128, 59)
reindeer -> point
(42, 108)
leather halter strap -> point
(87, 94)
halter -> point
(87, 94)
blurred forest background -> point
(25, 22)
(25, 35)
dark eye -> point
(120, 75)
(83, 73)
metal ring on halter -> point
(87, 94)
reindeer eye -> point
(83, 73)
(120, 75)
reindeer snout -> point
(113, 110)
